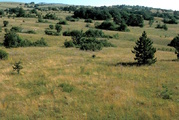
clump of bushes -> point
(70, 18)
(89, 21)
(91, 44)
(51, 32)
(40, 43)
(40, 20)
(112, 26)
(94, 33)
(159, 26)
(58, 27)
(30, 32)
(107, 26)
(51, 26)
(170, 21)
(89, 33)
(62, 22)
(73, 33)
(68, 44)
(3, 55)
(12, 40)
(16, 29)
(19, 29)
(50, 16)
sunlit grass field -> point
(66, 83)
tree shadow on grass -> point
(127, 64)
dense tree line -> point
(93, 13)
(105, 13)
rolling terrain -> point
(67, 83)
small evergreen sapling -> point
(144, 51)
(17, 66)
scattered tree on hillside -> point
(21, 13)
(135, 20)
(11, 39)
(164, 26)
(151, 21)
(144, 51)
(51, 26)
(1, 12)
(58, 28)
(175, 43)
(76, 36)
(5, 23)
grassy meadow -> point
(69, 84)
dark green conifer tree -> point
(144, 51)
(175, 43)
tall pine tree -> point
(144, 51)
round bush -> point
(3, 55)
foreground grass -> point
(101, 87)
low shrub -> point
(94, 33)
(68, 44)
(91, 44)
(40, 43)
(170, 21)
(25, 43)
(16, 29)
(3, 55)
(51, 32)
(67, 33)
(51, 26)
(40, 20)
(30, 32)
(93, 56)
(66, 87)
(89, 33)
(106, 25)
(105, 43)
(89, 21)
(62, 22)
(166, 94)
(13, 40)
(87, 25)
(164, 26)
(50, 16)
(73, 33)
